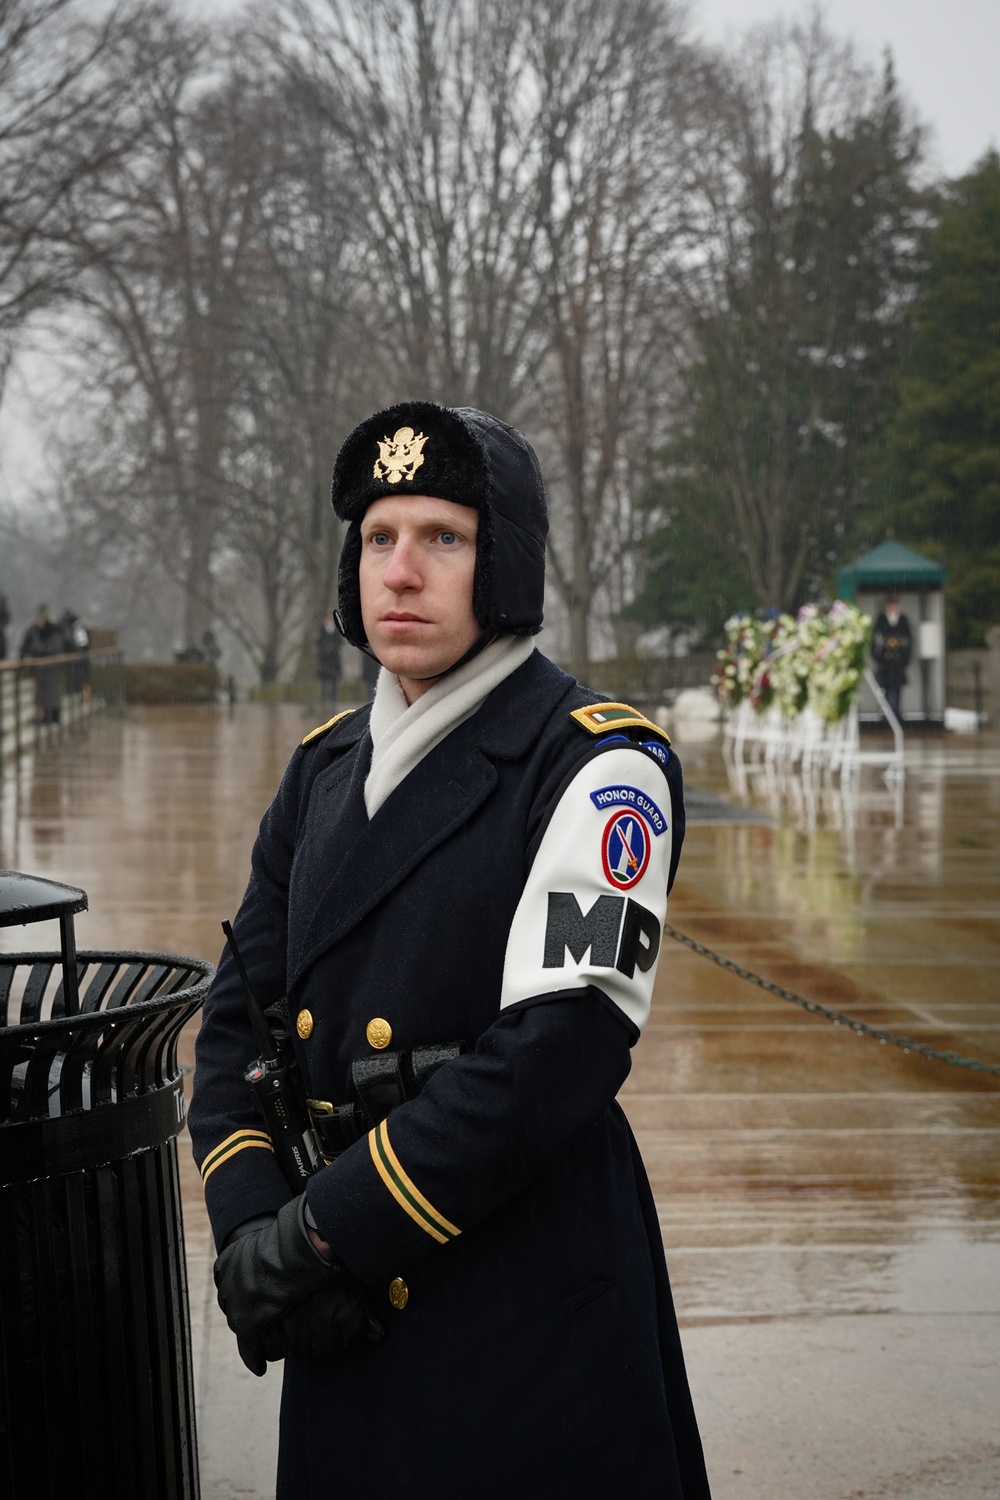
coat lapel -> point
(345, 865)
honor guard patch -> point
(400, 456)
(315, 733)
(598, 718)
(634, 797)
(660, 751)
(625, 850)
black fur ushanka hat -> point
(459, 454)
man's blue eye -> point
(448, 536)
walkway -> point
(831, 1208)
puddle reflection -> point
(797, 1168)
(800, 1169)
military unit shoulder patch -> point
(315, 733)
(599, 718)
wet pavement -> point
(830, 1206)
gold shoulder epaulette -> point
(315, 733)
(598, 718)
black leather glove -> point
(281, 1297)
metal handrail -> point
(7, 663)
(894, 760)
(105, 660)
(27, 662)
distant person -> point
(45, 638)
(370, 669)
(4, 622)
(211, 651)
(892, 647)
(328, 659)
(42, 637)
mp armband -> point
(595, 898)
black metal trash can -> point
(96, 1389)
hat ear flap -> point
(349, 588)
(517, 570)
(482, 578)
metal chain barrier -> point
(861, 1028)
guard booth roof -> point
(890, 565)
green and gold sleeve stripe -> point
(406, 1193)
(598, 718)
(240, 1140)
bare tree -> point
(163, 281)
(260, 547)
(67, 110)
(219, 351)
(616, 81)
(805, 246)
(433, 103)
(308, 375)
(515, 164)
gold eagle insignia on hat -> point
(400, 456)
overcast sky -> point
(947, 55)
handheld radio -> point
(273, 1080)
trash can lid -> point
(30, 898)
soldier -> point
(44, 638)
(328, 658)
(892, 646)
(460, 890)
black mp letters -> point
(568, 928)
(640, 940)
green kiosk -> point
(918, 583)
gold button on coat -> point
(399, 1293)
(304, 1024)
(379, 1033)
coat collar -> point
(507, 724)
(345, 865)
(516, 712)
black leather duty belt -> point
(380, 1083)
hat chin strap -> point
(479, 644)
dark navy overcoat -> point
(537, 1354)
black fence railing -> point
(41, 697)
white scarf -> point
(402, 734)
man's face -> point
(418, 556)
